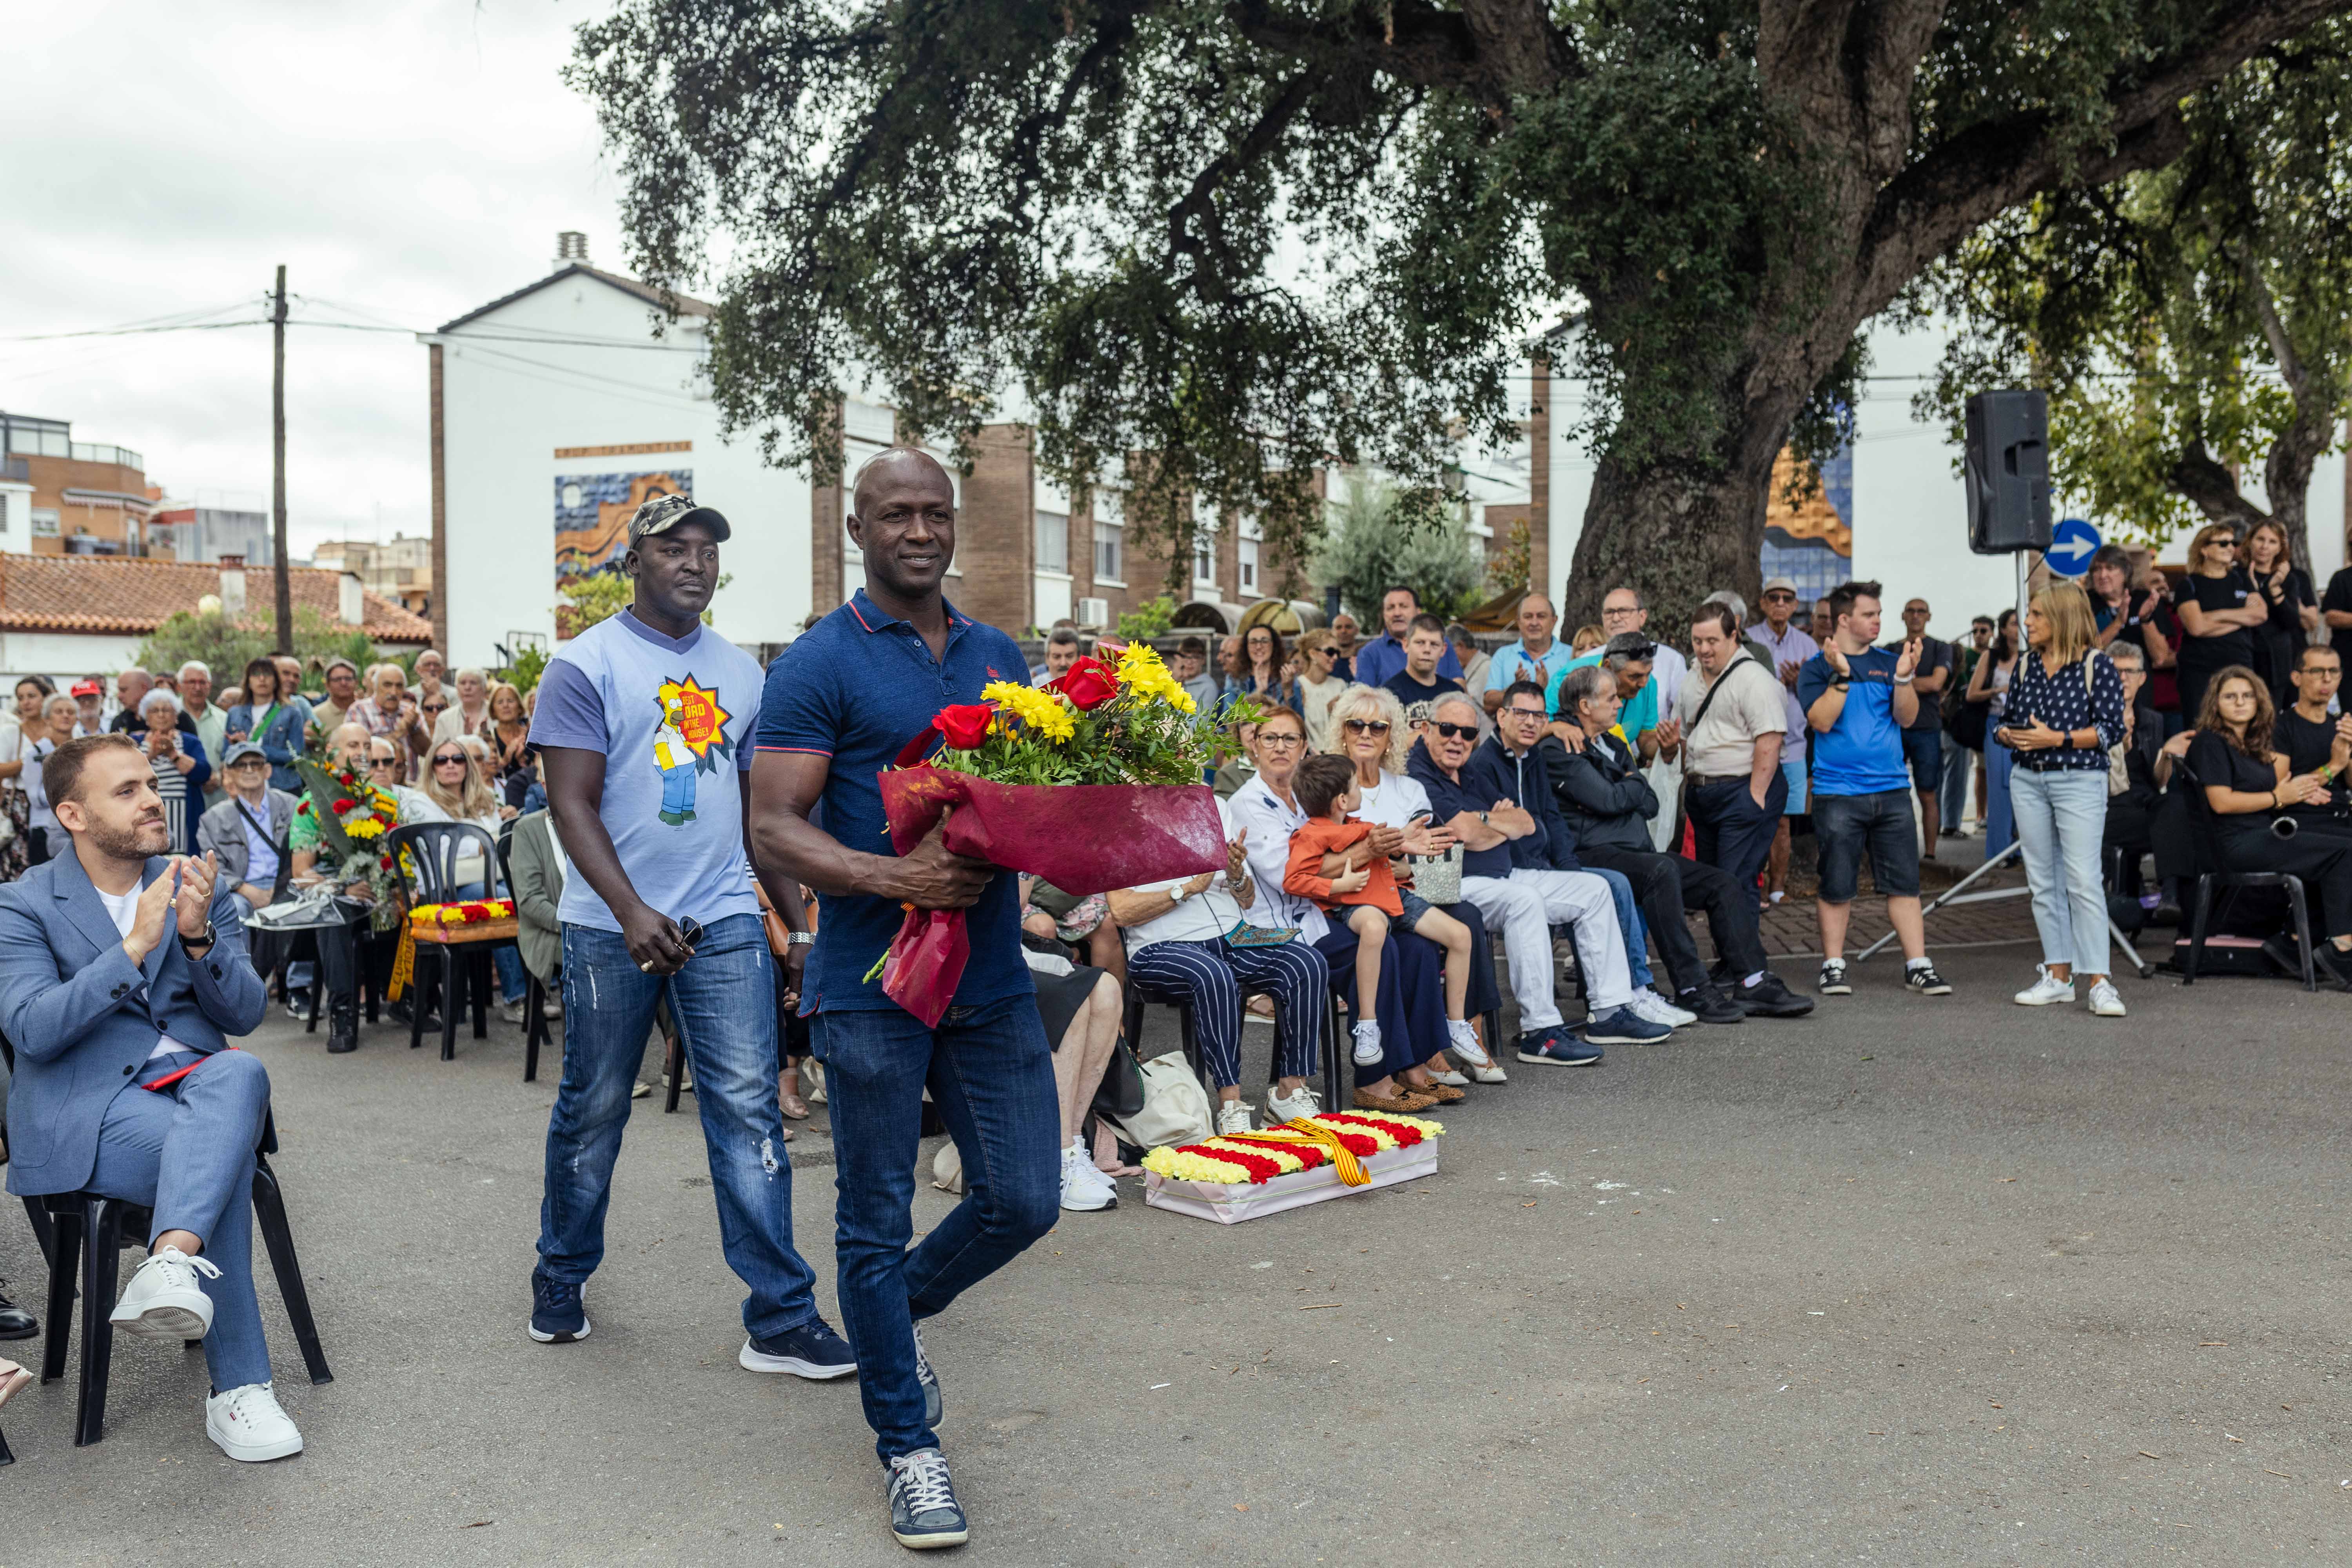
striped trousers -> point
(1212, 975)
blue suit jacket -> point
(82, 1016)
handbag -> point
(1175, 1107)
(1438, 878)
(1120, 1092)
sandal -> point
(1439, 1093)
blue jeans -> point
(2061, 820)
(187, 1151)
(991, 1074)
(724, 1003)
(1629, 921)
(1952, 795)
(677, 791)
(2001, 821)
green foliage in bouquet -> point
(1131, 724)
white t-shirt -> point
(1393, 802)
(124, 910)
(1203, 917)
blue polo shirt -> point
(855, 687)
(1864, 753)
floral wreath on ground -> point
(1253, 1159)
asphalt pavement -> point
(1914, 1280)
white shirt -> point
(1667, 668)
(1270, 822)
(1200, 918)
(124, 910)
(1393, 802)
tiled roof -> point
(127, 594)
(684, 304)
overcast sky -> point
(407, 160)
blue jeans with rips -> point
(724, 1002)
(991, 1074)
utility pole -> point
(278, 464)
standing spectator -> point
(2336, 611)
(1538, 656)
(179, 765)
(1192, 672)
(20, 757)
(272, 720)
(89, 708)
(1962, 760)
(1587, 639)
(431, 685)
(2065, 709)
(2291, 614)
(1789, 646)
(2315, 740)
(1857, 698)
(1259, 672)
(1623, 612)
(290, 672)
(602, 736)
(342, 690)
(1923, 738)
(1988, 687)
(1424, 654)
(210, 722)
(1344, 633)
(1318, 686)
(506, 731)
(467, 713)
(1733, 723)
(2124, 613)
(43, 836)
(2219, 611)
(1061, 652)
(390, 712)
(1384, 655)
(1473, 664)
(1824, 624)
(131, 689)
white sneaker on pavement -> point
(247, 1424)
(1084, 1188)
(2105, 1001)
(2045, 990)
(1648, 1004)
(1281, 1108)
(1233, 1116)
(1462, 1041)
(165, 1300)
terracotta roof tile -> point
(127, 594)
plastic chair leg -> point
(101, 1276)
(534, 1028)
(2302, 930)
(2197, 929)
(477, 981)
(453, 996)
(269, 1212)
(65, 1260)
(43, 1231)
(415, 999)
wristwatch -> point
(1179, 893)
(800, 939)
(203, 939)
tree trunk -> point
(1673, 536)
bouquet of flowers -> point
(1117, 749)
(352, 817)
(473, 912)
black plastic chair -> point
(434, 849)
(89, 1231)
(2212, 876)
(1333, 1033)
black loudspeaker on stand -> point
(2009, 472)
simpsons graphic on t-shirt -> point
(692, 728)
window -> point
(1053, 542)
(45, 522)
(1109, 542)
(1249, 565)
(1204, 557)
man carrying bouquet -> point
(840, 703)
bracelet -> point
(800, 939)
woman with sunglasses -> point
(2218, 610)
(453, 782)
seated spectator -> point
(1082, 1011)
(1365, 898)
(1733, 715)
(1236, 770)
(1179, 948)
(1465, 653)
(2235, 760)
(1510, 874)
(178, 759)
(247, 832)
(124, 1082)
(1084, 922)
(1424, 647)
(2149, 759)
(1609, 805)
(540, 868)
(1407, 1009)
(1630, 658)
(274, 723)
(2316, 741)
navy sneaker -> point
(557, 1315)
(812, 1350)
(924, 1512)
(1623, 1027)
(935, 1404)
(1555, 1048)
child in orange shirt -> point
(1326, 787)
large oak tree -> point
(1249, 237)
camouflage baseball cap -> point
(663, 513)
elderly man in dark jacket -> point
(1607, 803)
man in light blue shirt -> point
(1379, 660)
(1538, 656)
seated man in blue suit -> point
(122, 972)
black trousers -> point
(2322, 857)
(1666, 885)
(1735, 834)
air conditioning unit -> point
(1093, 613)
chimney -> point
(351, 604)
(570, 249)
(232, 586)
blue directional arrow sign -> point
(2072, 543)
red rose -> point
(344, 806)
(387, 862)
(965, 725)
(1090, 683)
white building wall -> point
(509, 406)
(66, 657)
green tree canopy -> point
(1251, 238)
(225, 647)
(2190, 323)
(1379, 539)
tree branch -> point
(1490, 49)
(1200, 200)
(2210, 486)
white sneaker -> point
(1647, 1003)
(1083, 1189)
(1368, 1044)
(1462, 1041)
(247, 1424)
(1086, 1166)
(1233, 1116)
(163, 1299)
(2105, 1001)
(1281, 1108)
(1491, 1073)
(2045, 991)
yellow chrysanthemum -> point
(1040, 710)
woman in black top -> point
(2290, 609)
(2246, 784)
(2218, 609)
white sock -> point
(1911, 963)
(1754, 980)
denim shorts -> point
(1924, 750)
(1845, 825)
(1415, 906)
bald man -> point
(1538, 656)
